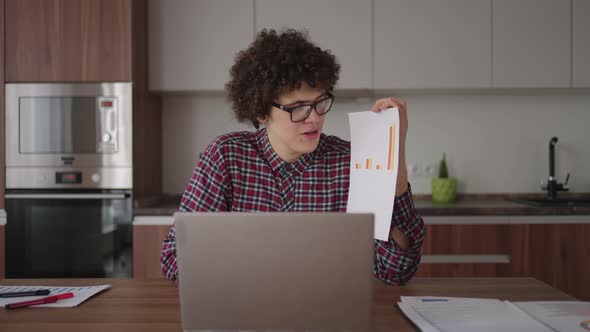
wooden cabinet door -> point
(2, 253)
(531, 43)
(68, 40)
(192, 43)
(432, 44)
(147, 246)
(342, 26)
(557, 254)
(2, 125)
(470, 250)
(580, 44)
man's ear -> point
(262, 119)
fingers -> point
(389, 102)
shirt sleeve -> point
(393, 264)
(207, 190)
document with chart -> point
(374, 143)
(456, 314)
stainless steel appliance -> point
(68, 179)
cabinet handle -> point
(465, 259)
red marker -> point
(45, 300)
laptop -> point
(275, 271)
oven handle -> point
(67, 196)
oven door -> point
(55, 234)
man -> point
(285, 82)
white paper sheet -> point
(374, 141)
(81, 294)
(559, 315)
(470, 314)
(420, 322)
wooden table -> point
(152, 305)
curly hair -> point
(275, 63)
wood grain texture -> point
(147, 114)
(2, 253)
(147, 246)
(556, 254)
(456, 270)
(153, 305)
(2, 124)
(68, 40)
(2, 137)
(466, 239)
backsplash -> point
(495, 141)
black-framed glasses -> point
(301, 112)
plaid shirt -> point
(241, 172)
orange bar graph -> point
(391, 147)
(368, 163)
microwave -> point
(75, 135)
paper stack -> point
(431, 313)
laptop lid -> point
(275, 270)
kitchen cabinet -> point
(68, 40)
(147, 113)
(2, 125)
(342, 26)
(580, 44)
(531, 43)
(192, 43)
(432, 44)
(2, 255)
(466, 250)
(552, 249)
(147, 246)
(556, 254)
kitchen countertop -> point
(466, 205)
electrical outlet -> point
(415, 170)
(429, 170)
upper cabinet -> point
(432, 44)
(342, 26)
(581, 43)
(531, 43)
(68, 40)
(192, 43)
(381, 44)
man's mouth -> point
(310, 133)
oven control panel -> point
(83, 178)
(68, 177)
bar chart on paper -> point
(374, 154)
(386, 164)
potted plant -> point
(444, 189)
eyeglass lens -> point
(301, 113)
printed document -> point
(81, 294)
(374, 143)
(559, 315)
(467, 315)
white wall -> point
(496, 142)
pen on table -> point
(434, 300)
(45, 300)
(26, 293)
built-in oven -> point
(68, 180)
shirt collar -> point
(276, 162)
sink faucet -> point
(553, 186)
